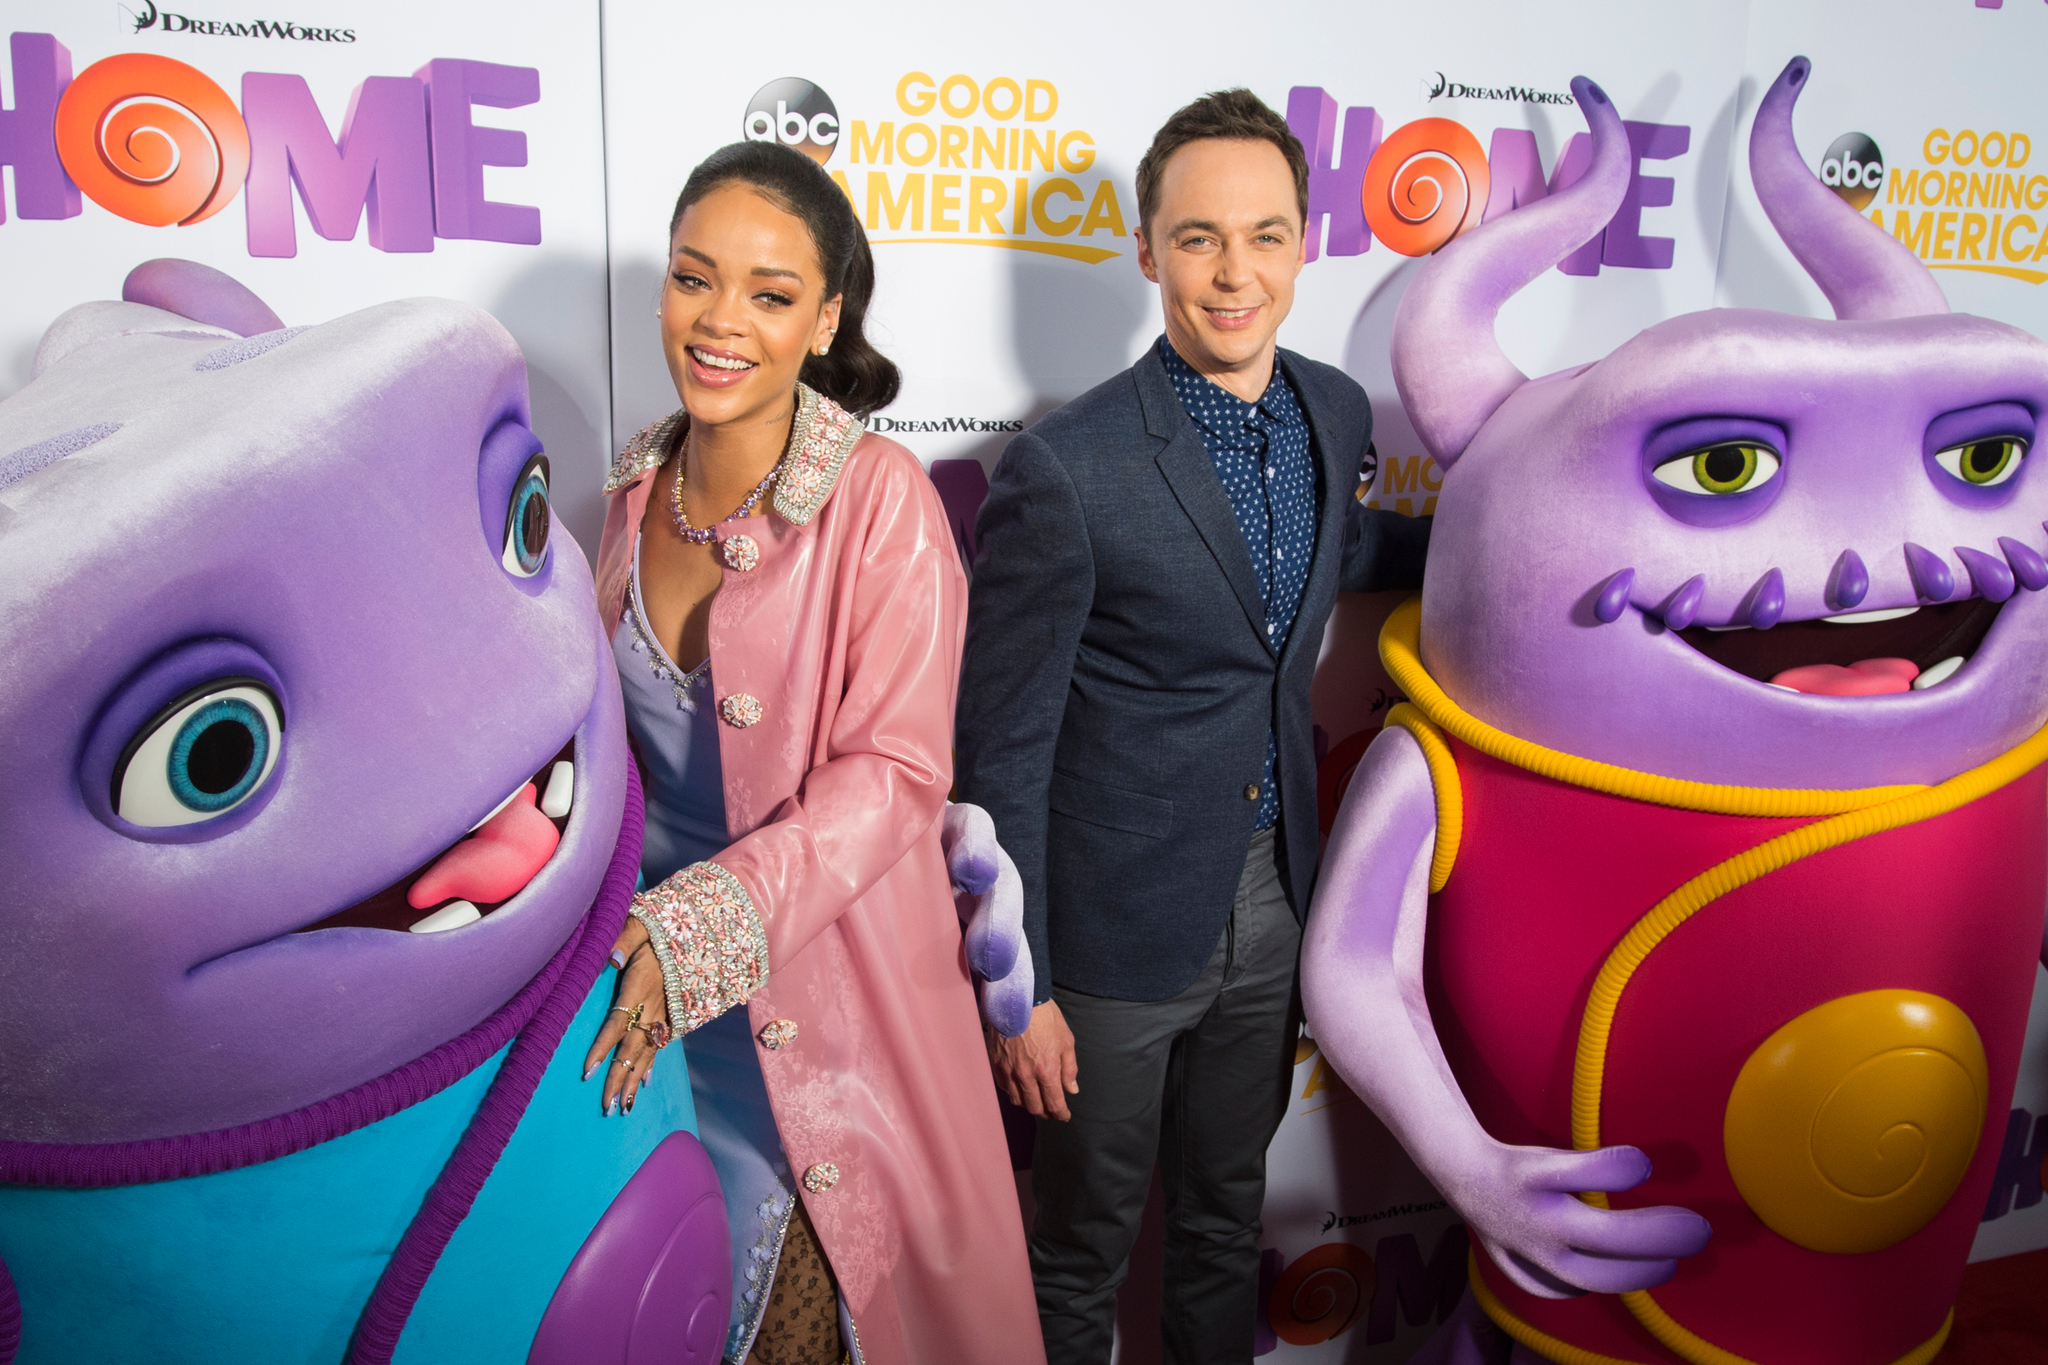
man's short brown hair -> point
(1236, 114)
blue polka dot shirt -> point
(1262, 455)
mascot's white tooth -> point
(561, 792)
(1864, 618)
(1938, 674)
(453, 915)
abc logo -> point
(797, 114)
(1853, 168)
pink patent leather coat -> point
(848, 631)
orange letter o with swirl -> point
(152, 140)
(1425, 185)
(1321, 1294)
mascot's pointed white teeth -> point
(1938, 674)
(1864, 618)
(2027, 565)
(561, 792)
(453, 915)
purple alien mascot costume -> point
(319, 826)
(1683, 925)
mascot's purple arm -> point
(989, 895)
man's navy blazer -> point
(1118, 683)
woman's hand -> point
(635, 1027)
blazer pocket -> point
(1110, 807)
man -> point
(1158, 559)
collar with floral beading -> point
(820, 439)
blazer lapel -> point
(1336, 486)
(1191, 474)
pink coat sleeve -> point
(886, 764)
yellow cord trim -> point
(1450, 796)
(1663, 1327)
(1400, 651)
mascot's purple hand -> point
(1006, 1004)
(989, 898)
(1521, 1202)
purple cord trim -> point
(455, 1191)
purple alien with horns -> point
(1683, 923)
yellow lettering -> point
(1032, 147)
(1432, 478)
(986, 196)
(1973, 237)
(1935, 146)
(1032, 90)
(1019, 205)
(931, 144)
(1898, 190)
(1079, 161)
(1958, 181)
(1956, 148)
(2022, 148)
(1103, 212)
(1989, 159)
(989, 140)
(881, 202)
(2012, 225)
(1429, 506)
(1013, 151)
(1055, 227)
(1318, 1080)
(2037, 192)
(2012, 192)
(913, 102)
(1014, 99)
(1933, 186)
(1983, 189)
(952, 145)
(879, 149)
(1402, 475)
(1916, 239)
(944, 203)
(967, 107)
(1944, 233)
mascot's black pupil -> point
(1724, 465)
(533, 525)
(220, 757)
(1985, 455)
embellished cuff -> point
(709, 940)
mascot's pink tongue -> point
(495, 863)
(1864, 678)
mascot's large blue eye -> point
(527, 519)
(204, 754)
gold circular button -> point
(1251, 791)
(1850, 1128)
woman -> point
(789, 612)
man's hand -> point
(1036, 1069)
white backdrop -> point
(991, 153)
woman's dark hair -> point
(853, 373)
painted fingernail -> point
(590, 1071)
(629, 1105)
(618, 959)
(615, 1106)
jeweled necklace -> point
(704, 535)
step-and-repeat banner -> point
(526, 160)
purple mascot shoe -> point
(320, 825)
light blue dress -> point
(674, 726)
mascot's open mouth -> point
(481, 871)
(1858, 654)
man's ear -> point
(1146, 264)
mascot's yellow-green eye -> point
(1984, 463)
(1718, 470)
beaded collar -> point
(820, 439)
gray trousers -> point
(1199, 1084)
